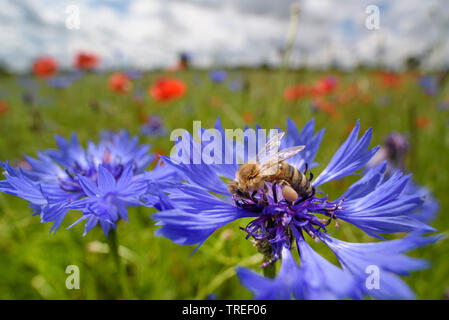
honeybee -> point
(269, 167)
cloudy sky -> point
(150, 33)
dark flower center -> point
(271, 230)
(70, 182)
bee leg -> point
(310, 176)
(288, 192)
(233, 187)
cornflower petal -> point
(100, 181)
(307, 138)
(386, 257)
(351, 156)
(379, 205)
(195, 215)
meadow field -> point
(33, 262)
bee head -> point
(240, 193)
(234, 188)
(248, 178)
(247, 171)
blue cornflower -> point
(191, 212)
(443, 105)
(236, 85)
(59, 82)
(430, 207)
(429, 84)
(317, 278)
(134, 74)
(101, 181)
(153, 126)
(218, 76)
(27, 83)
(394, 151)
(75, 75)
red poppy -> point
(86, 61)
(167, 89)
(295, 92)
(390, 79)
(215, 101)
(327, 107)
(45, 67)
(347, 94)
(3, 107)
(422, 122)
(119, 82)
(324, 85)
(366, 98)
(247, 116)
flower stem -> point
(294, 17)
(224, 276)
(413, 136)
(270, 270)
(114, 250)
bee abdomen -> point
(298, 181)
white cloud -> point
(149, 34)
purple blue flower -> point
(316, 278)
(443, 105)
(429, 84)
(376, 204)
(236, 85)
(101, 181)
(134, 74)
(154, 127)
(59, 82)
(394, 152)
(27, 83)
(218, 76)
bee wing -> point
(270, 167)
(270, 149)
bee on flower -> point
(288, 209)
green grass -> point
(33, 263)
